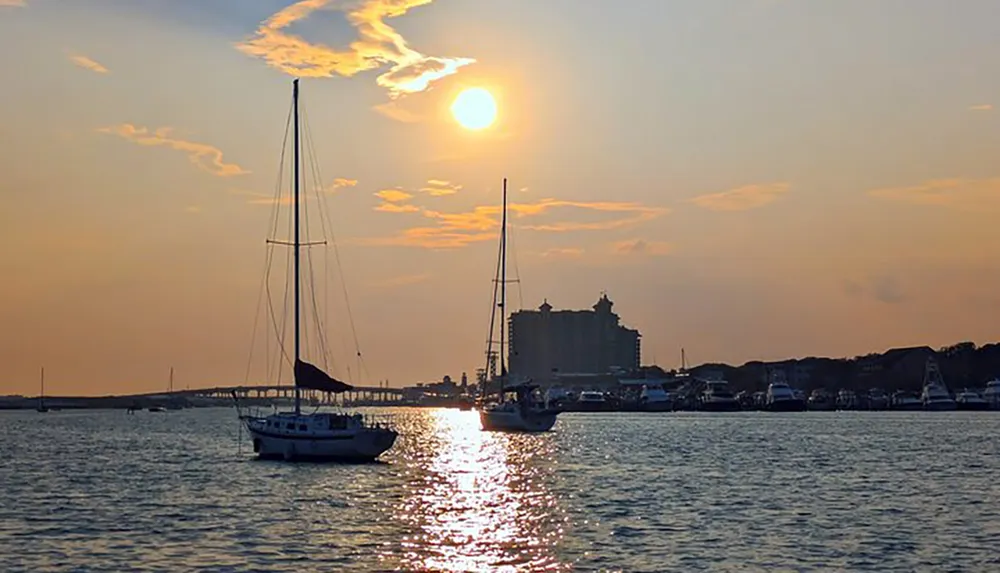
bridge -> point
(359, 396)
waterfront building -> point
(547, 343)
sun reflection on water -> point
(480, 501)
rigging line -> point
(311, 155)
(517, 271)
(493, 314)
(328, 227)
(268, 256)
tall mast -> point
(170, 384)
(503, 286)
(42, 391)
(296, 242)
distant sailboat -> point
(173, 403)
(41, 395)
(294, 436)
(515, 409)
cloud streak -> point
(974, 194)
(642, 247)
(377, 46)
(89, 64)
(440, 188)
(206, 157)
(981, 107)
(742, 198)
(13, 3)
(454, 230)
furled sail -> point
(312, 378)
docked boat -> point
(316, 436)
(591, 401)
(718, 398)
(781, 397)
(935, 395)
(992, 394)
(821, 400)
(847, 400)
(905, 401)
(653, 398)
(970, 400)
(877, 399)
(516, 407)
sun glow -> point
(474, 108)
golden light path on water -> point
(482, 502)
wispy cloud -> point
(885, 289)
(13, 3)
(402, 280)
(642, 247)
(981, 107)
(742, 198)
(340, 183)
(377, 46)
(440, 188)
(393, 195)
(975, 194)
(204, 156)
(89, 64)
(562, 253)
(454, 230)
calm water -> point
(105, 491)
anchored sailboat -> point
(515, 407)
(320, 436)
(41, 395)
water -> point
(106, 491)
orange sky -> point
(752, 181)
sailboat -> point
(514, 408)
(319, 436)
(41, 395)
(173, 402)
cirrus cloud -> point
(974, 194)
(377, 46)
(205, 156)
(453, 230)
(89, 64)
(742, 198)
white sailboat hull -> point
(307, 440)
(513, 420)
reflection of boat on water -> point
(516, 407)
(318, 436)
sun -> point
(474, 108)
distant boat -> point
(970, 400)
(157, 409)
(992, 393)
(173, 403)
(517, 406)
(41, 395)
(718, 398)
(820, 400)
(294, 436)
(935, 395)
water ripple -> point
(105, 491)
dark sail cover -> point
(312, 378)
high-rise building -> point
(546, 342)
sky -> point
(748, 180)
